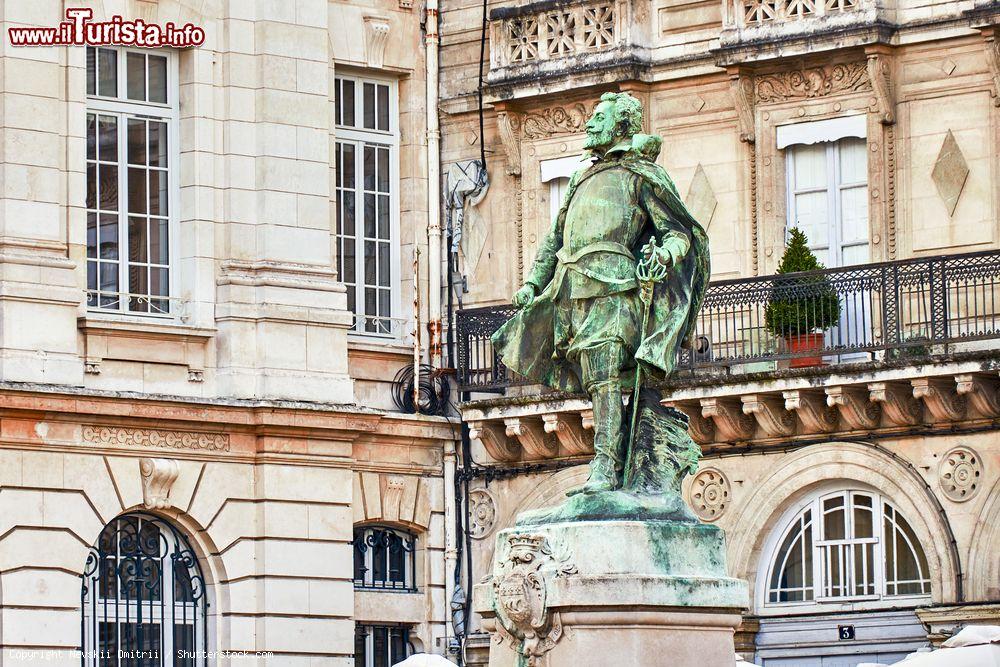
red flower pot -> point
(805, 343)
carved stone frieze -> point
(494, 439)
(105, 436)
(897, 401)
(856, 410)
(568, 430)
(812, 82)
(569, 119)
(536, 442)
(879, 73)
(770, 414)
(158, 476)
(520, 591)
(509, 125)
(983, 393)
(941, 398)
(731, 423)
(812, 410)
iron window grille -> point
(381, 645)
(143, 598)
(384, 558)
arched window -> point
(849, 545)
(384, 558)
(143, 597)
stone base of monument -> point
(598, 593)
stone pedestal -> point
(595, 593)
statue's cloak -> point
(526, 342)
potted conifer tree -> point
(801, 307)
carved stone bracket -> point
(494, 439)
(376, 38)
(993, 58)
(941, 398)
(532, 437)
(702, 430)
(855, 408)
(982, 393)
(742, 90)
(509, 125)
(770, 413)
(897, 401)
(731, 423)
(158, 476)
(569, 431)
(587, 419)
(879, 73)
(812, 410)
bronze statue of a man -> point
(583, 323)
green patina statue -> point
(612, 296)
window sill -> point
(832, 605)
(151, 326)
(124, 338)
(365, 343)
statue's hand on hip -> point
(524, 296)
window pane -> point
(157, 79)
(348, 169)
(369, 106)
(157, 144)
(383, 108)
(137, 239)
(347, 106)
(383, 266)
(369, 167)
(159, 283)
(92, 186)
(91, 136)
(107, 72)
(109, 277)
(136, 190)
(383, 216)
(379, 560)
(370, 300)
(349, 214)
(158, 242)
(380, 647)
(369, 217)
(136, 141)
(91, 282)
(108, 187)
(383, 169)
(833, 519)
(108, 138)
(109, 236)
(370, 267)
(157, 192)
(92, 235)
(138, 283)
(135, 74)
(91, 70)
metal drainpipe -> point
(450, 538)
(432, 41)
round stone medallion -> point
(482, 513)
(710, 491)
(959, 474)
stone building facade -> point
(858, 489)
(198, 445)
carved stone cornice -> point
(568, 430)
(568, 119)
(532, 436)
(941, 398)
(494, 439)
(812, 410)
(855, 409)
(983, 393)
(770, 413)
(812, 82)
(879, 74)
(158, 476)
(897, 401)
(731, 423)
(509, 126)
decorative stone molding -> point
(158, 476)
(857, 411)
(111, 436)
(196, 375)
(92, 365)
(509, 126)
(532, 436)
(376, 38)
(812, 82)
(897, 401)
(569, 119)
(482, 513)
(993, 58)
(812, 410)
(743, 98)
(494, 439)
(520, 590)
(770, 413)
(879, 73)
(982, 393)
(941, 398)
(710, 494)
(700, 199)
(950, 172)
(569, 431)
(960, 474)
(401, 499)
(731, 422)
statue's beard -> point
(600, 141)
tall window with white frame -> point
(132, 103)
(367, 201)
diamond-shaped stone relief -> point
(950, 173)
(701, 199)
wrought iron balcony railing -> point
(911, 310)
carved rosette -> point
(482, 513)
(519, 597)
(710, 493)
(959, 474)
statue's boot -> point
(608, 462)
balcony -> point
(907, 343)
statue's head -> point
(617, 116)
